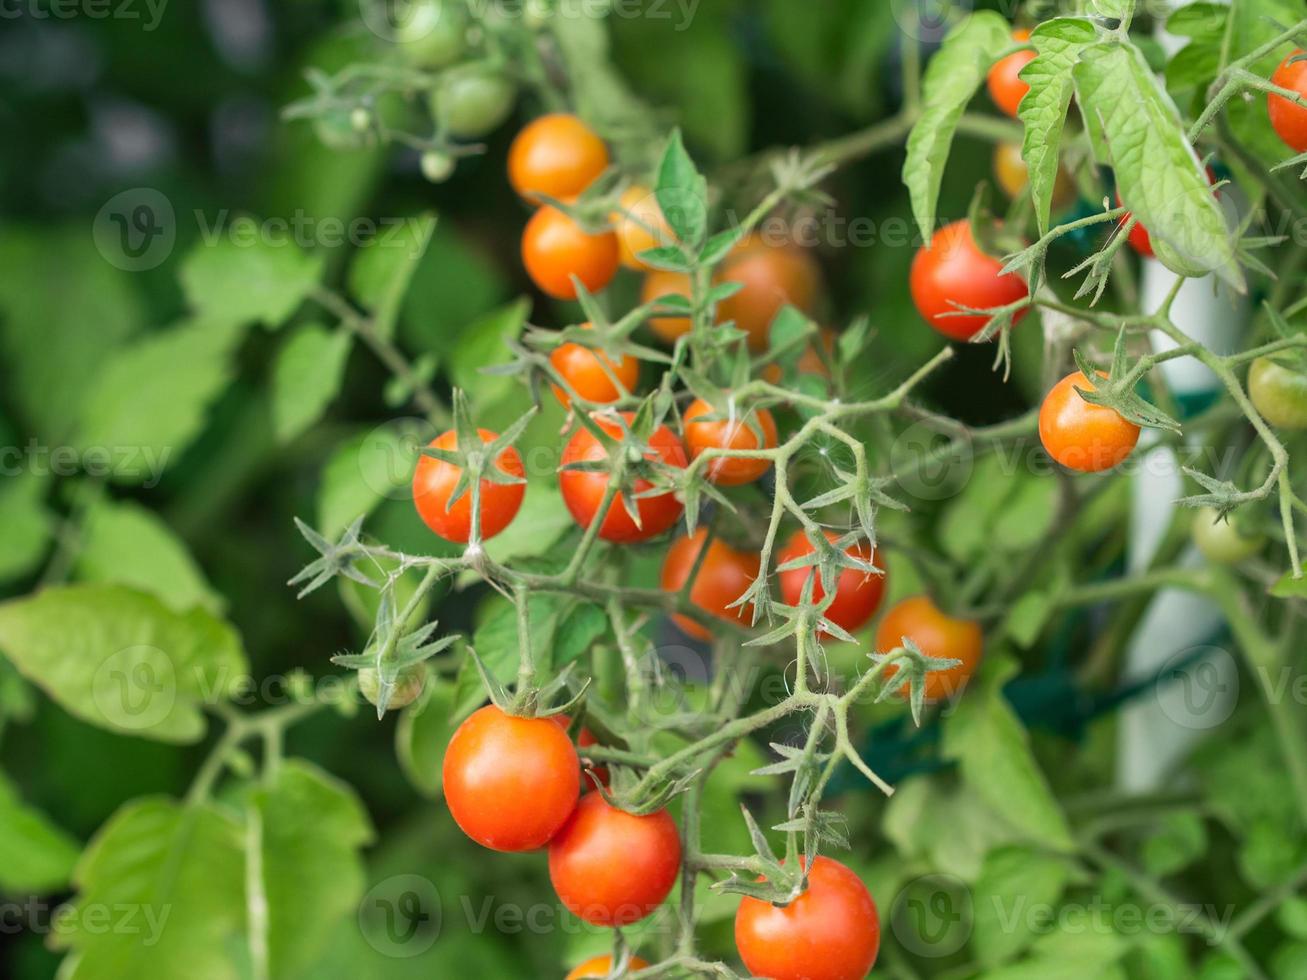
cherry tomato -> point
(591, 373)
(953, 270)
(1005, 87)
(511, 783)
(434, 33)
(1013, 175)
(472, 100)
(1081, 436)
(660, 282)
(557, 155)
(1279, 393)
(773, 276)
(555, 248)
(1221, 541)
(612, 868)
(937, 635)
(640, 225)
(602, 966)
(810, 361)
(830, 932)
(725, 574)
(857, 594)
(434, 482)
(1288, 119)
(703, 434)
(583, 491)
(408, 685)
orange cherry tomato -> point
(660, 282)
(1081, 436)
(557, 155)
(610, 867)
(703, 434)
(583, 491)
(591, 373)
(602, 966)
(937, 635)
(830, 932)
(1012, 175)
(953, 270)
(640, 225)
(725, 574)
(773, 276)
(555, 248)
(434, 481)
(511, 783)
(1288, 119)
(1005, 87)
(857, 594)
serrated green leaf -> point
(951, 79)
(241, 281)
(306, 377)
(121, 659)
(382, 270)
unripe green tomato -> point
(1221, 541)
(437, 167)
(1177, 263)
(408, 686)
(361, 120)
(1279, 393)
(435, 33)
(472, 100)
(335, 128)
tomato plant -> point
(1081, 435)
(857, 591)
(720, 577)
(834, 914)
(770, 277)
(613, 868)
(1006, 87)
(511, 783)
(936, 634)
(446, 507)
(707, 428)
(634, 512)
(1279, 393)
(557, 155)
(602, 966)
(952, 276)
(593, 375)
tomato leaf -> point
(306, 377)
(304, 875)
(1042, 112)
(232, 278)
(383, 269)
(682, 194)
(36, 855)
(1011, 875)
(951, 79)
(28, 524)
(122, 660)
(181, 868)
(1158, 173)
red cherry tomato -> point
(557, 155)
(953, 270)
(510, 782)
(1005, 86)
(830, 932)
(612, 868)
(602, 966)
(591, 373)
(725, 574)
(937, 635)
(555, 248)
(583, 491)
(434, 481)
(773, 276)
(1288, 119)
(660, 282)
(729, 434)
(1081, 436)
(857, 594)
